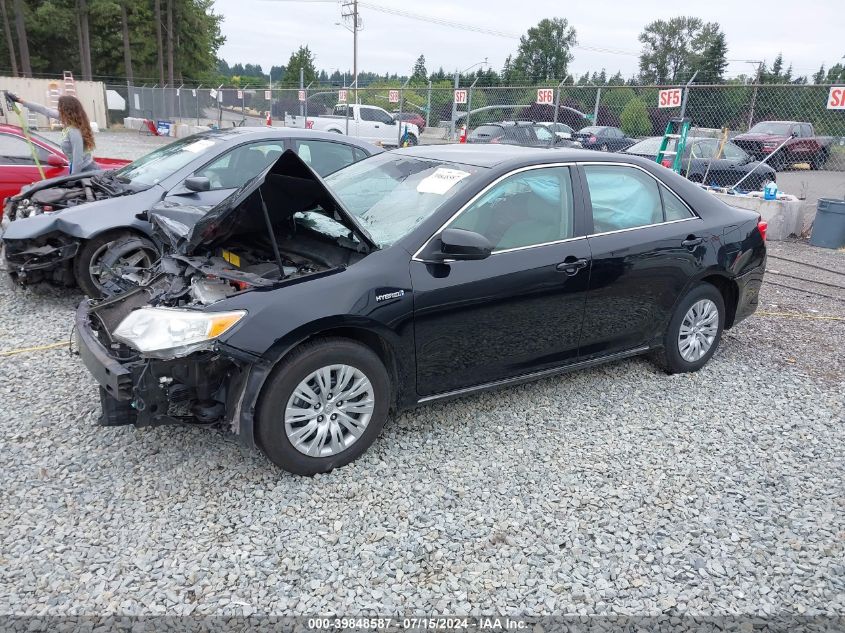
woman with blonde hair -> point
(77, 140)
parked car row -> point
(299, 286)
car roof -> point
(237, 134)
(514, 155)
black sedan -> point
(63, 229)
(524, 133)
(301, 311)
(703, 162)
(603, 137)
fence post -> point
(197, 99)
(686, 94)
(454, 108)
(428, 107)
(557, 103)
(596, 109)
(753, 103)
(220, 106)
(469, 103)
(401, 106)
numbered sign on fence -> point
(460, 96)
(212, 93)
(178, 91)
(301, 95)
(268, 95)
(393, 96)
(240, 94)
(545, 96)
(836, 98)
(670, 98)
(193, 93)
(341, 96)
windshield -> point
(163, 162)
(772, 127)
(389, 194)
(47, 142)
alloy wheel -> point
(698, 330)
(329, 410)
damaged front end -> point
(47, 257)
(158, 349)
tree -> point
(713, 61)
(23, 45)
(301, 59)
(277, 73)
(419, 73)
(635, 119)
(7, 30)
(818, 78)
(673, 49)
(544, 52)
(127, 48)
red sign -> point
(309, 125)
(836, 98)
(341, 96)
(670, 98)
(545, 96)
(393, 96)
(460, 96)
(302, 95)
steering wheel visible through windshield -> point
(391, 194)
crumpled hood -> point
(288, 186)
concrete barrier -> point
(782, 215)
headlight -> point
(171, 332)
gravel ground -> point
(614, 490)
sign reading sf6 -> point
(836, 98)
(670, 98)
(545, 96)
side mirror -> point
(463, 245)
(197, 183)
(56, 161)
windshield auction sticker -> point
(441, 180)
(198, 146)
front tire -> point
(818, 160)
(695, 330)
(323, 406)
(87, 267)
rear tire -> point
(694, 332)
(817, 162)
(282, 415)
(91, 255)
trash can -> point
(829, 225)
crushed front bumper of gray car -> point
(45, 258)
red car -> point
(17, 167)
(411, 117)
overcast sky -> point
(808, 32)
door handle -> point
(571, 265)
(692, 241)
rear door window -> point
(16, 151)
(622, 198)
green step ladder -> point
(675, 129)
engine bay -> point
(67, 194)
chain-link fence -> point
(440, 111)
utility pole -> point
(352, 22)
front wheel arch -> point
(108, 235)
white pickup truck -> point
(369, 123)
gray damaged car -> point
(88, 229)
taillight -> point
(762, 226)
(495, 140)
(592, 139)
